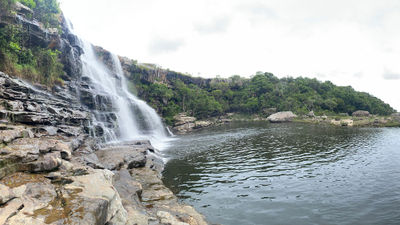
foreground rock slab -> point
(53, 172)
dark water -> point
(258, 173)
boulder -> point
(360, 113)
(279, 117)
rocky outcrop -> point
(149, 73)
(184, 124)
(281, 117)
(53, 172)
(52, 168)
(360, 113)
(39, 36)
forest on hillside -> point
(260, 94)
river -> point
(261, 173)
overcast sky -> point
(350, 42)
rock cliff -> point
(55, 167)
(53, 172)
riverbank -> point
(186, 124)
(53, 172)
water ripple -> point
(289, 174)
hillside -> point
(171, 93)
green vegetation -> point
(19, 56)
(253, 96)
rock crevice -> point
(53, 172)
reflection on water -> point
(259, 173)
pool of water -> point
(261, 173)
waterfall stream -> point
(118, 115)
(131, 118)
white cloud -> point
(216, 25)
(388, 75)
(162, 45)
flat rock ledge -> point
(52, 172)
(40, 186)
(44, 181)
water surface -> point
(260, 173)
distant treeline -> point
(260, 94)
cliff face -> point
(52, 168)
(149, 73)
(52, 171)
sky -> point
(349, 42)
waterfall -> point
(118, 115)
(131, 118)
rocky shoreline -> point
(53, 172)
(186, 124)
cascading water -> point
(134, 119)
(118, 115)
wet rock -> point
(279, 117)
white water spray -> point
(135, 119)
